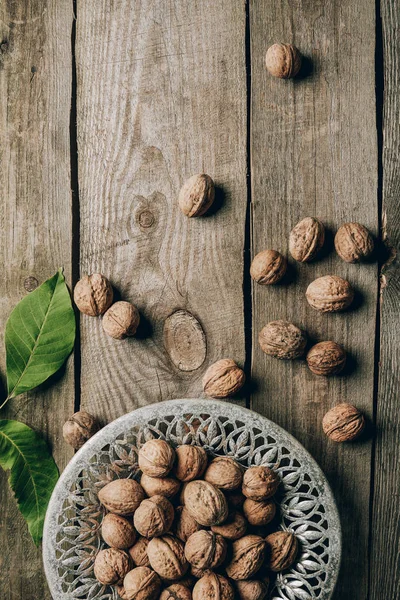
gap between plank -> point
(379, 95)
(247, 286)
(75, 250)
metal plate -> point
(307, 507)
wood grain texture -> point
(314, 153)
(385, 537)
(35, 232)
(161, 96)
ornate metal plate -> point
(72, 536)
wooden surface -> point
(36, 233)
(121, 106)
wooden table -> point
(106, 107)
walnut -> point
(191, 462)
(154, 516)
(205, 503)
(306, 239)
(117, 531)
(167, 557)
(268, 267)
(111, 565)
(235, 499)
(343, 423)
(160, 486)
(196, 195)
(223, 378)
(353, 242)
(283, 61)
(233, 528)
(121, 592)
(251, 590)
(176, 591)
(205, 549)
(260, 483)
(156, 458)
(282, 548)
(142, 584)
(259, 513)
(79, 428)
(93, 295)
(247, 557)
(283, 340)
(213, 587)
(330, 294)
(121, 320)
(185, 525)
(224, 473)
(138, 553)
(326, 358)
(121, 496)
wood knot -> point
(185, 341)
(30, 283)
(145, 218)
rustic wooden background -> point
(106, 107)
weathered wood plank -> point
(35, 230)
(385, 536)
(314, 153)
(161, 96)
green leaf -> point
(33, 472)
(40, 334)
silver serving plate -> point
(72, 528)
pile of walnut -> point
(191, 529)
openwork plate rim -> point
(216, 410)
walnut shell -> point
(260, 483)
(268, 267)
(233, 528)
(251, 590)
(138, 553)
(283, 60)
(121, 320)
(154, 516)
(156, 458)
(283, 340)
(330, 294)
(223, 378)
(353, 242)
(197, 195)
(247, 557)
(111, 565)
(343, 423)
(176, 591)
(160, 486)
(282, 548)
(117, 531)
(185, 525)
(205, 503)
(326, 358)
(121, 496)
(306, 239)
(79, 428)
(191, 462)
(205, 549)
(121, 592)
(142, 584)
(224, 473)
(198, 573)
(259, 513)
(167, 557)
(188, 581)
(213, 587)
(93, 295)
